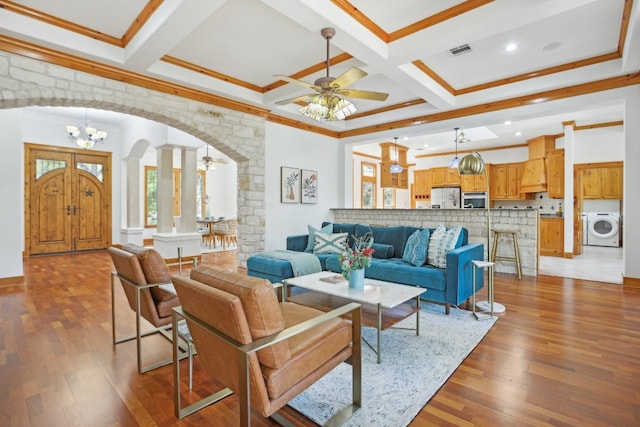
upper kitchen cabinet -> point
(470, 183)
(555, 174)
(602, 182)
(534, 173)
(392, 153)
(445, 177)
(505, 182)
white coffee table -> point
(384, 304)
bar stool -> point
(505, 230)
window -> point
(151, 194)
(369, 178)
(389, 198)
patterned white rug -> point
(413, 369)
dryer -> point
(604, 229)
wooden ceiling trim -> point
(427, 22)
(387, 108)
(274, 118)
(307, 71)
(539, 73)
(210, 73)
(357, 153)
(479, 150)
(133, 29)
(362, 19)
(546, 96)
(438, 18)
(624, 25)
(141, 19)
(82, 64)
(429, 72)
(598, 125)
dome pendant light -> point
(395, 167)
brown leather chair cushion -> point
(260, 305)
(155, 271)
(309, 349)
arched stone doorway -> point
(238, 135)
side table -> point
(487, 308)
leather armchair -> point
(150, 293)
(264, 350)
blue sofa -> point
(449, 286)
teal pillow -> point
(327, 229)
(382, 251)
(330, 243)
(415, 250)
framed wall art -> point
(309, 186)
(289, 185)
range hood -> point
(534, 176)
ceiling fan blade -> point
(364, 94)
(297, 82)
(296, 99)
(352, 75)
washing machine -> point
(604, 229)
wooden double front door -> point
(67, 200)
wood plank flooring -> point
(565, 353)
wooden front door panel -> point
(69, 205)
(49, 202)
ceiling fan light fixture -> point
(208, 162)
(327, 108)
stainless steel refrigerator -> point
(445, 198)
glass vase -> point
(356, 279)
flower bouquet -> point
(357, 258)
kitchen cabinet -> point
(555, 174)
(505, 182)
(602, 183)
(533, 177)
(445, 177)
(475, 182)
(552, 236)
(422, 184)
(392, 153)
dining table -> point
(209, 222)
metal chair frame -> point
(245, 350)
(162, 330)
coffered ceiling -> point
(231, 51)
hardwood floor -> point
(564, 353)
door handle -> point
(68, 210)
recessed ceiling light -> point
(511, 47)
(508, 122)
(426, 145)
(518, 133)
(405, 138)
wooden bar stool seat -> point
(506, 230)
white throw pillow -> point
(441, 242)
(330, 243)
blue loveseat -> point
(451, 285)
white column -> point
(188, 190)
(133, 193)
(631, 205)
(569, 149)
(165, 189)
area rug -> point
(413, 369)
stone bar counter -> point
(474, 220)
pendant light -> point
(453, 164)
(207, 161)
(85, 136)
(395, 167)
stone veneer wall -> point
(25, 82)
(472, 219)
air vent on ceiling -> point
(465, 48)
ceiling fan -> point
(333, 88)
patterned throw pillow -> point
(327, 229)
(415, 250)
(330, 243)
(442, 241)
